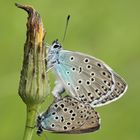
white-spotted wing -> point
(69, 115)
(119, 90)
(86, 78)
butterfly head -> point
(56, 46)
(53, 53)
(39, 126)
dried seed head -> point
(33, 80)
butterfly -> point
(86, 78)
(68, 115)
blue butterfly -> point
(68, 115)
(84, 77)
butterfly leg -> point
(58, 89)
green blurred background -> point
(107, 29)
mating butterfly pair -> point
(89, 82)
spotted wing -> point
(119, 90)
(69, 115)
(86, 78)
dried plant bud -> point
(33, 80)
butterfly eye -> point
(56, 46)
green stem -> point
(30, 122)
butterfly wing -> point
(119, 90)
(69, 115)
(86, 78)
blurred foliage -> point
(107, 29)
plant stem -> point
(30, 122)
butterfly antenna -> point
(67, 21)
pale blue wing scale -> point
(85, 68)
(66, 78)
(71, 85)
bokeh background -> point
(106, 29)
